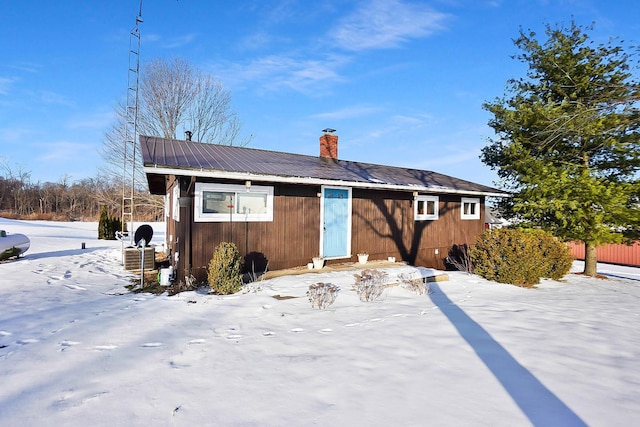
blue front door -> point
(336, 227)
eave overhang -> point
(300, 180)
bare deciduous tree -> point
(174, 97)
(167, 88)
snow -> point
(78, 349)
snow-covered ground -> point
(77, 349)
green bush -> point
(520, 257)
(556, 254)
(224, 271)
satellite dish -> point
(143, 232)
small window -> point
(470, 208)
(426, 208)
(225, 203)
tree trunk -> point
(590, 259)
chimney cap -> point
(328, 130)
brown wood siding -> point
(382, 225)
(291, 239)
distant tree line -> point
(69, 201)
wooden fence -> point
(612, 254)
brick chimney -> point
(329, 145)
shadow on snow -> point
(537, 402)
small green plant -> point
(12, 252)
(519, 257)
(322, 295)
(370, 284)
(224, 272)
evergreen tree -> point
(109, 225)
(103, 224)
(567, 139)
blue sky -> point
(402, 81)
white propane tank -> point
(13, 245)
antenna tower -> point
(131, 130)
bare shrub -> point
(415, 283)
(254, 266)
(189, 284)
(322, 295)
(459, 258)
(370, 284)
(254, 285)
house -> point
(493, 218)
(286, 208)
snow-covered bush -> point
(415, 284)
(370, 284)
(519, 257)
(224, 272)
(322, 295)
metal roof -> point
(162, 156)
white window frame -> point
(201, 187)
(425, 216)
(470, 201)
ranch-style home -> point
(287, 208)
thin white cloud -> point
(64, 151)
(93, 121)
(276, 72)
(169, 43)
(28, 67)
(400, 127)
(49, 97)
(382, 24)
(348, 112)
(256, 41)
(179, 41)
(417, 120)
(5, 83)
(454, 156)
(150, 38)
(15, 134)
